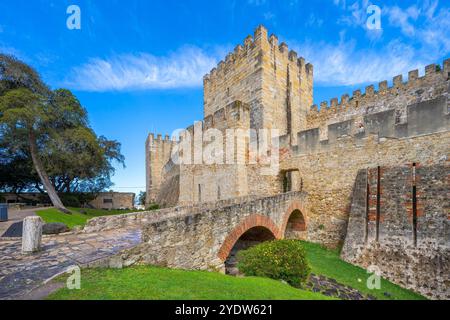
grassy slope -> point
(327, 262)
(76, 218)
(144, 282)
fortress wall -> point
(208, 183)
(424, 117)
(260, 85)
(329, 159)
(414, 255)
(328, 175)
(157, 153)
(169, 190)
(203, 181)
(396, 98)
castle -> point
(369, 171)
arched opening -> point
(250, 238)
(296, 226)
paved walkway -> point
(19, 274)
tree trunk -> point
(54, 198)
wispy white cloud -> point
(435, 33)
(354, 14)
(342, 64)
(341, 3)
(345, 62)
(313, 21)
(425, 25)
(403, 18)
(181, 69)
(423, 38)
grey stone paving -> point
(15, 216)
(14, 230)
(19, 274)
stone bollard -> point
(32, 234)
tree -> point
(45, 139)
(78, 160)
(141, 198)
(24, 117)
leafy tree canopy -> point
(45, 135)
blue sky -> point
(137, 65)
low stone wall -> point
(104, 223)
(143, 217)
(405, 233)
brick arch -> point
(295, 205)
(255, 220)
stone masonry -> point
(323, 153)
(204, 238)
(402, 227)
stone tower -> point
(270, 78)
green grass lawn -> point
(328, 263)
(76, 218)
(148, 282)
(153, 283)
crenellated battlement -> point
(240, 51)
(250, 68)
(259, 41)
(159, 139)
(434, 77)
(421, 118)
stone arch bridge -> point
(205, 237)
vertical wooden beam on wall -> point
(414, 204)
(378, 203)
(367, 205)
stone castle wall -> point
(264, 85)
(394, 98)
(330, 184)
(157, 154)
(403, 232)
(328, 157)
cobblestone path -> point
(19, 274)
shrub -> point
(153, 206)
(281, 260)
